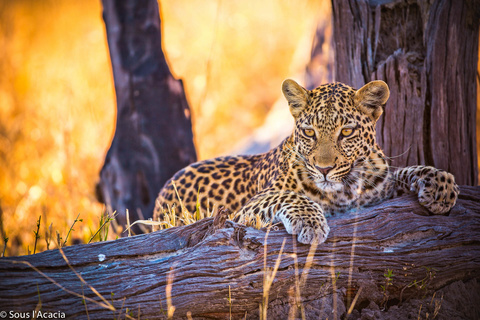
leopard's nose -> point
(324, 170)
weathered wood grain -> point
(427, 52)
(204, 262)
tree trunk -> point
(153, 137)
(427, 52)
(212, 267)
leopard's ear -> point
(370, 98)
(296, 95)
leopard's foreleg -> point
(300, 215)
(436, 189)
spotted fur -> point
(329, 164)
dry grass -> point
(268, 277)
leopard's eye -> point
(347, 132)
(309, 132)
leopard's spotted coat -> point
(330, 164)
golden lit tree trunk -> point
(427, 52)
(153, 137)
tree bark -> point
(153, 137)
(427, 52)
(207, 264)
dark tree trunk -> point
(427, 52)
(153, 137)
(213, 269)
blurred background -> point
(57, 100)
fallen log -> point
(383, 256)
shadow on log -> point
(201, 262)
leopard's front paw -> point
(310, 228)
(437, 191)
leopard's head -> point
(334, 128)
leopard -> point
(329, 165)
